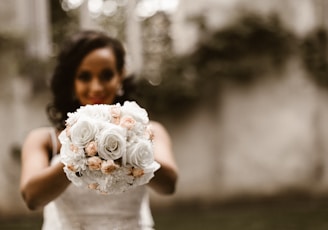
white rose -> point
(72, 118)
(140, 154)
(82, 132)
(63, 139)
(111, 142)
(133, 109)
(98, 112)
(66, 151)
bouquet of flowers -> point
(108, 148)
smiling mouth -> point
(97, 100)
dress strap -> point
(53, 141)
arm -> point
(40, 183)
(165, 178)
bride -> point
(90, 70)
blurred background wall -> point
(241, 87)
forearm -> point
(44, 186)
(166, 176)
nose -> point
(96, 85)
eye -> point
(84, 76)
(106, 75)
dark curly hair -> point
(68, 60)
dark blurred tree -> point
(315, 56)
(242, 51)
(239, 53)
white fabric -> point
(78, 208)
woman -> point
(90, 70)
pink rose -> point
(71, 167)
(74, 148)
(108, 166)
(94, 163)
(115, 112)
(91, 149)
(137, 172)
(128, 122)
(93, 186)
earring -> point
(120, 91)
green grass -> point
(282, 214)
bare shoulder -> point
(38, 137)
(159, 131)
(157, 127)
(39, 133)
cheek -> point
(79, 89)
(113, 86)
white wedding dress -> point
(78, 208)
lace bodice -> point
(78, 208)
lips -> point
(97, 100)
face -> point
(97, 80)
